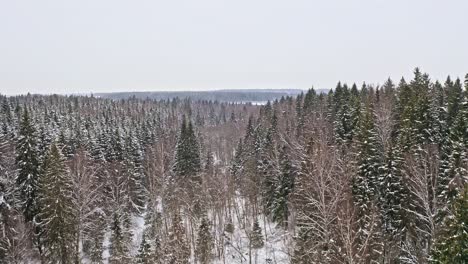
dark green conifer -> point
(204, 241)
(256, 237)
(27, 160)
(451, 246)
(57, 210)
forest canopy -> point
(358, 174)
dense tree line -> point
(376, 174)
(239, 96)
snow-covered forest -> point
(361, 174)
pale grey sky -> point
(62, 46)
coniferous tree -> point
(299, 115)
(378, 173)
(301, 249)
(57, 210)
(392, 202)
(454, 94)
(120, 240)
(177, 250)
(268, 168)
(187, 158)
(237, 164)
(150, 246)
(204, 241)
(280, 211)
(144, 255)
(134, 163)
(365, 185)
(256, 237)
(95, 246)
(342, 114)
(8, 216)
(27, 160)
(393, 192)
(452, 244)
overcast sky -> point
(135, 45)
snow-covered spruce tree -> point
(422, 128)
(269, 169)
(454, 94)
(256, 237)
(309, 101)
(254, 154)
(229, 226)
(365, 186)
(120, 240)
(57, 212)
(93, 246)
(187, 167)
(134, 164)
(301, 253)
(64, 143)
(452, 244)
(6, 115)
(342, 114)
(117, 147)
(187, 162)
(27, 160)
(208, 167)
(453, 169)
(237, 164)
(150, 246)
(7, 200)
(284, 187)
(459, 152)
(444, 175)
(98, 147)
(392, 199)
(204, 241)
(43, 144)
(414, 111)
(176, 248)
(438, 114)
(144, 255)
(299, 115)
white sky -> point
(66, 46)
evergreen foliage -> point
(57, 210)
(187, 157)
(177, 249)
(256, 237)
(120, 240)
(285, 185)
(452, 244)
(362, 174)
(27, 160)
(204, 241)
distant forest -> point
(241, 95)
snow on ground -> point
(274, 251)
(106, 245)
(138, 225)
(236, 245)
